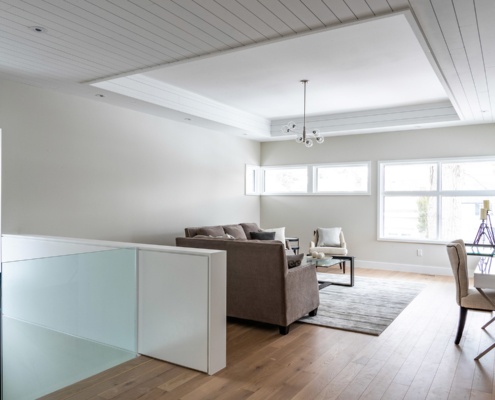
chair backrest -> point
(458, 261)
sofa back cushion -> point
(236, 231)
(211, 231)
(250, 227)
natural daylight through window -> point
(434, 200)
(316, 179)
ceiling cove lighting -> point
(291, 127)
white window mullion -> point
(311, 179)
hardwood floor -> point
(414, 358)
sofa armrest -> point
(302, 294)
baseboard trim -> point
(418, 269)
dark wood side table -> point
(293, 240)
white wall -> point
(77, 167)
(358, 214)
(81, 168)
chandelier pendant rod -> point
(304, 81)
(302, 137)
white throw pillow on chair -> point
(329, 237)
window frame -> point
(315, 168)
(438, 194)
(278, 167)
(312, 177)
(252, 180)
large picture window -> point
(434, 200)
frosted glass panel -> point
(66, 318)
(38, 361)
(91, 296)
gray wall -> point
(80, 168)
(358, 214)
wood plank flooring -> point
(414, 358)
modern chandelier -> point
(291, 127)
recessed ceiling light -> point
(38, 29)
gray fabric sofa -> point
(260, 285)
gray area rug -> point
(370, 306)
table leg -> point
(485, 352)
(488, 323)
(351, 271)
(485, 296)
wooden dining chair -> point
(467, 298)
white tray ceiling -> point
(214, 58)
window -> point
(324, 179)
(252, 180)
(285, 180)
(434, 200)
(346, 178)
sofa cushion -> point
(329, 237)
(211, 231)
(262, 235)
(235, 230)
(250, 227)
(294, 260)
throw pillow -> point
(329, 237)
(211, 231)
(295, 260)
(279, 233)
(235, 230)
(263, 235)
(249, 227)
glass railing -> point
(66, 318)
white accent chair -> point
(330, 241)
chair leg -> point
(462, 322)
(314, 312)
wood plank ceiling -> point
(95, 39)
